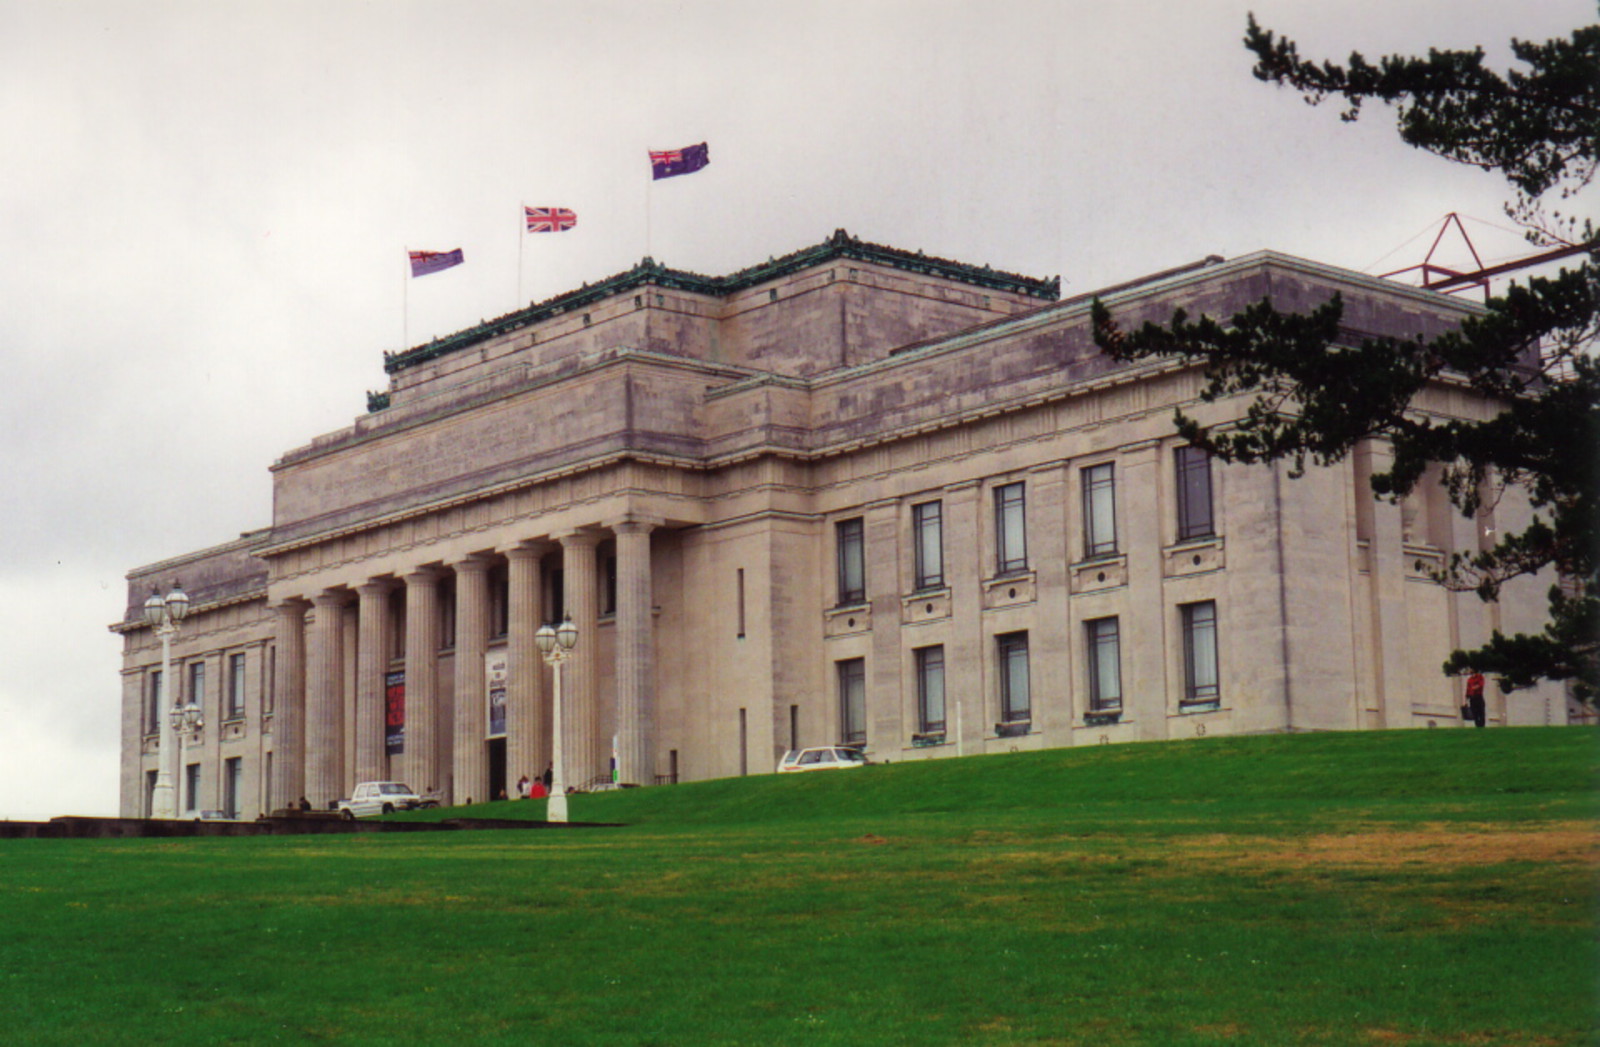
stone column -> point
(288, 708)
(525, 729)
(421, 758)
(324, 724)
(372, 661)
(587, 753)
(471, 778)
(635, 655)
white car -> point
(821, 758)
(382, 798)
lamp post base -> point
(556, 810)
(163, 801)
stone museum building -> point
(851, 495)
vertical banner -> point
(496, 671)
(394, 716)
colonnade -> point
(323, 742)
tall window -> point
(197, 684)
(1105, 665)
(235, 686)
(930, 689)
(853, 701)
(1015, 702)
(852, 561)
(1194, 494)
(191, 787)
(608, 584)
(1099, 511)
(269, 680)
(1200, 653)
(927, 536)
(232, 780)
(1011, 534)
(153, 703)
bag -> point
(1466, 711)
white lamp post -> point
(556, 643)
(163, 615)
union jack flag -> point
(425, 262)
(549, 219)
(668, 162)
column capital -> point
(578, 538)
(474, 563)
(424, 576)
(294, 605)
(375, 587)
(635, 523)
(533, 549)
(326, 599)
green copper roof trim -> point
(840, 245)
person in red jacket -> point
(1477, 710)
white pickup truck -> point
(382, 798)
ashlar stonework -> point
(851, 495)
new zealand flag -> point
(670, 162)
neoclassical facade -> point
(854, 494)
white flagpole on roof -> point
(522, 245)
(405, 303)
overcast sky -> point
(205, 207)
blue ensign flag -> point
(669, 162)
(425, 262)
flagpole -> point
(405, 303)
(522, 243)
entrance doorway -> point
(497, 768)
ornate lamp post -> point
(163, 615)
(556, 643)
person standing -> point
(522, 788)
(1476, 708)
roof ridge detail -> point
(649, 271)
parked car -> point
(382, 798)
(821, 758)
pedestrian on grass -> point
(1475, 704)
(522, 788)
(549, 776)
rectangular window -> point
(232, 779)
(1200, 654)
(1099, 511)
(930, 689)
(927, 536)
(197, 684)
(1016, 705)
(852, 562)
(235, 686)
(1105, 665)
(447, 617)
(269, 681)
(853, 701)
(1010, 531)
(1194, 494)
(153, 703)
(500, 600)
(191, 787)
(608, 584)
(739, 586)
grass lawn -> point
(1406, 887)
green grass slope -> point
(1417, 888)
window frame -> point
(237, 675)
(1202, 676)
(850, 560)
(153, 702)
(850, 676)
(1099, 528)
(929, 670)
(1103, 636)
(1010, 648)
(1196, 504)
(197, 683)
(927, 545)
(1011, 512)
